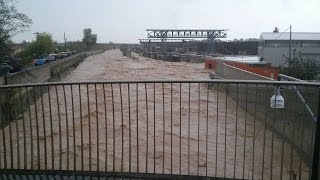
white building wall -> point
(276, 55)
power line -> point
(225, 48)
(282, 33)
(65, 41)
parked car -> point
(15, 63)
(64, 54)
(5, 69)
(40, 60)
(52, 57)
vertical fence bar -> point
(235, 143)
(10, 131)
(121, 106)
(293, 135)
(301, 146)
(59, 122)
(129, 107)
(3, 125)
(163, 133)
(81, 128)
(67, 124)
(51, 128)
(24, 133)
(264, 134)
(18, 138)
(245, 133)
(282, 144)
(171, 126)
(154, 128)
(198, 158)
(180, 131)
(97, 125)
(316, 146)
(37, 126)
(44, 129)
(272, 136)
(89, 128)
(147, 120)
(106, 128)
(137, 124)
(113, 131)
(1, 128)
(207, 131)
(313, 129)
(73, 131)
(254, 128)
(31, 131)
(225, 132)
(217, 131)
(189, 129)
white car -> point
(64, 54)
(52, 57)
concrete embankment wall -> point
(192, 58)
(13, 102)
(47, 72)
(293, 123)
(230, 72)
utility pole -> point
(290, 47)
(65, 42)
(37, 35)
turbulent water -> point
(161, 127)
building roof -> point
(242, 59)
(309, 36)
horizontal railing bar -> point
(282, 76)
(103, 174)
(225, 81)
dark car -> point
(15, 63)
(5, 69)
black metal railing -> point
(159, 129)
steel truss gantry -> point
(209, 34)
(158, 40)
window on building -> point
(277, 44)
(296, 44)
(311, 44)
(284, 43)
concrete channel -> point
(211, 152)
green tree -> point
(76, 46)
(12, 22)
(42, 45)
(89, 39)
(302, 68)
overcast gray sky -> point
(127, 20)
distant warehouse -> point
(274, 47)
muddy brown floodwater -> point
(145, 127)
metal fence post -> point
(316, 148)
